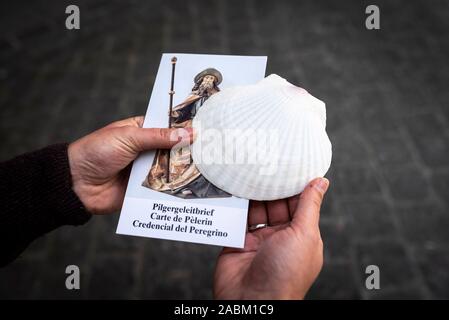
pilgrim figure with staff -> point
(173, 172)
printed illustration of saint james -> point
(184, 179)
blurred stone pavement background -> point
(388, 114)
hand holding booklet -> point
(167, 197)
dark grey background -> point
(388, 113)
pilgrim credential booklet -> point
(167, 197)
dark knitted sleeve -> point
(36, 197)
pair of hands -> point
(278, 262)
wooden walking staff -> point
(171, 93)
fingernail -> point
(184, 134)
(192, 132)
(322, 184)
(184, 131)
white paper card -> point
(186, 207)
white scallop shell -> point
(264, 141)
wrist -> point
(78, 186)
(62, 199)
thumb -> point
(307, 214)
(159, 138)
